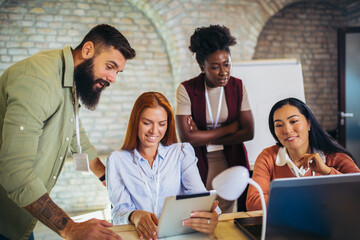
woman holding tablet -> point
(150, 167)
(302, 149)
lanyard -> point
(209, 107)
(76, 116)
(156, 202)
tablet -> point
(178, 208)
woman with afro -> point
(213, 111)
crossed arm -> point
(238, 131)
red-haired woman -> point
(152, 166)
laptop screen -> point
(319, 207)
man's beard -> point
(85, 84)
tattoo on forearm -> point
(48, 213)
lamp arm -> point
(263, 205)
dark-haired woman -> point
(302, 148)
(213, 111)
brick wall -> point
(308, 32)
(78, 191)
(159, 30)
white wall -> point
(267, 81)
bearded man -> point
(39, 124)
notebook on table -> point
(321, 207)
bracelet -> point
(102, 178)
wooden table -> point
(225, 229)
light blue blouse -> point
(128, 174)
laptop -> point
(321, 207)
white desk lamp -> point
(231, 183)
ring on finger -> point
(208, 222)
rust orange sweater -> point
(265, 170)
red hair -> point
(149, 100)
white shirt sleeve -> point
(245, 104)
(183, 103)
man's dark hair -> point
(207, 40)
(104, 35)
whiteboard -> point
(267, 81)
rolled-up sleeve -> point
(27, 108)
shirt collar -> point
(69, 67)
(160, 153)
(283, 158)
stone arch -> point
(163, 31)
(307, 31)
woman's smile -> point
(152, 127)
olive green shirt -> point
(37, 129)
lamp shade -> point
(231, 183)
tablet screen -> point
(178, 208)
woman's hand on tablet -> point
(203, 221)
(145, 224)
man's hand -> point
(50, 214)
(91, 229)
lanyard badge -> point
(81, 160)
(212, 147)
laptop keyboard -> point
(250, 226)
(254, 230)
